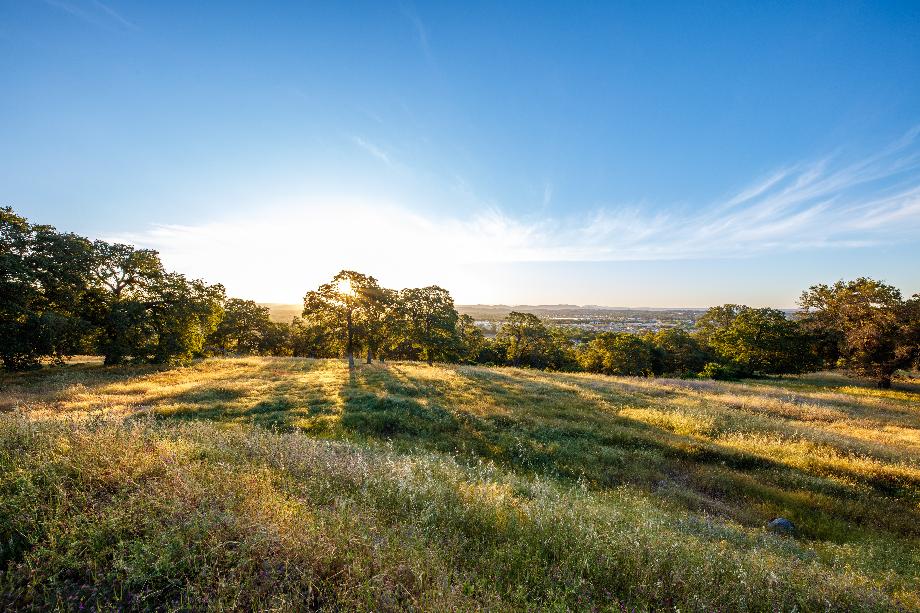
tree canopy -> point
(756, 341)
(619, 353)
(430, 321)
(525, 338)
(864, 326)
(44, 291)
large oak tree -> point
(44, 292)
(430, 321)
(339, 307)
(864, 326)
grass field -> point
(286, 483)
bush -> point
(719, 372)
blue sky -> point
(608, 153)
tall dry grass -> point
(452, 488)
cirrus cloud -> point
(813, 205)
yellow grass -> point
(841, 460)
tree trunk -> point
(350, 343)
(884, 382)
(428, 356)
(370, 356)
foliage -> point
(246, 329)
(43, 292)
(182, 317)
(470, 340)
(310, 339)
(719, 372)
(379, 320)
(125, 279)
(430, 321)
(560, 352)
(865, 326)
(147, 314)
(242, 329)
(677, 353)
(354, 312)
(62, 294)
(338, 307)
(618, 353)
(525, 338)
(277, 339)
(755, 341)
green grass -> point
(286, 483)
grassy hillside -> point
(287, 483)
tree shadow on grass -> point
(716, 476)
(51, 382)
(566, 427)
(376, 404)
(573, 431)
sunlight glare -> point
(344, 287)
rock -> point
(781, 525)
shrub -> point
(719, 372)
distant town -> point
(589, 318)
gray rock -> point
(781, 525)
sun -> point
(344, 287)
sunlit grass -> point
(474, 487)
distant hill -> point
(283, 312)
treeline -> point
(62, 294)
(864, 326)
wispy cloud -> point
(421, 31)
(93, 12)
(547, 194)
(811, 206)
(108, 10)
(373, 149)
(815, 205)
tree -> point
(756, 341)
(864, 326)
(471, 339)
(618, 353)
(276, 339)
(242, 329)
(910, 341)
(182, 314)
(43, 292)
(147, 314)
(337, 307)
(677, 352)
(377, 317)
(492, 352)
(312, 340)
(559, 353)
(525, 338)
(430, 321)
(124, 280)
(716, 318)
